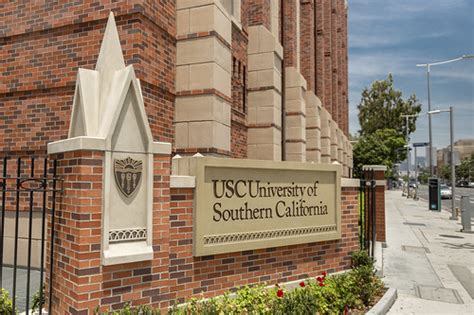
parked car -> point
(471, 184)
(412, 184)
(446, 191)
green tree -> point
(444, 172)
(382, 107)
(465, 171)
(383, 127)
(383, 147)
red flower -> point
(302, 284)
(324, 274)
(319, 279)
(321, 284)
(280, 293)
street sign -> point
(421, 144)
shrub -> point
(332, 295)
(38, 300)
(129, 310)
(6, 305)
(362, 258)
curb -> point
(385, 303)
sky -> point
(392, 36)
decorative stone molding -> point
(182, 181)
(266, 235)
(374, 167)
(108, 115)
(127, 235)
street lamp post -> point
(453, 170)
(428, 66)
(408, 151)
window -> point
(233, 8)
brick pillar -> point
(80, 281)
(379, 171)
(335, 70)
(307, 54)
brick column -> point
(307, 54)
(379, 171)
(80, 281)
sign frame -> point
(202, 192)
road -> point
(446, 203)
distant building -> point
(462, 149)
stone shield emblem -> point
(128, 174)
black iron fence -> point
(29, 189)
(367, 206)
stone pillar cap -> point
(374, 167)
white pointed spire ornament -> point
(109, 115)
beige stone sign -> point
(251, 204)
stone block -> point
(261, 40)
(263, 61)
(181, 135)
(182, 78)
(209, 76)
(294, 93)
(271, 152)
(182, 22)
(264, 78)
(269, 97)
(209, 134)
(203, 50)
(295, 106)
(210, 18)
(293, 78)
(203, 107)
(184, 4)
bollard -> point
(466, 214)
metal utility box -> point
(434, 193)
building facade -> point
(252, 79)
(258, 79)
(462, 149)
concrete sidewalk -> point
(427, 259)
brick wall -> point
(259, 12)
(80, 282)
(42, 47)
(307, 54)
(330, 70)
(215, 274)
(289, 34)
(238, 140)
